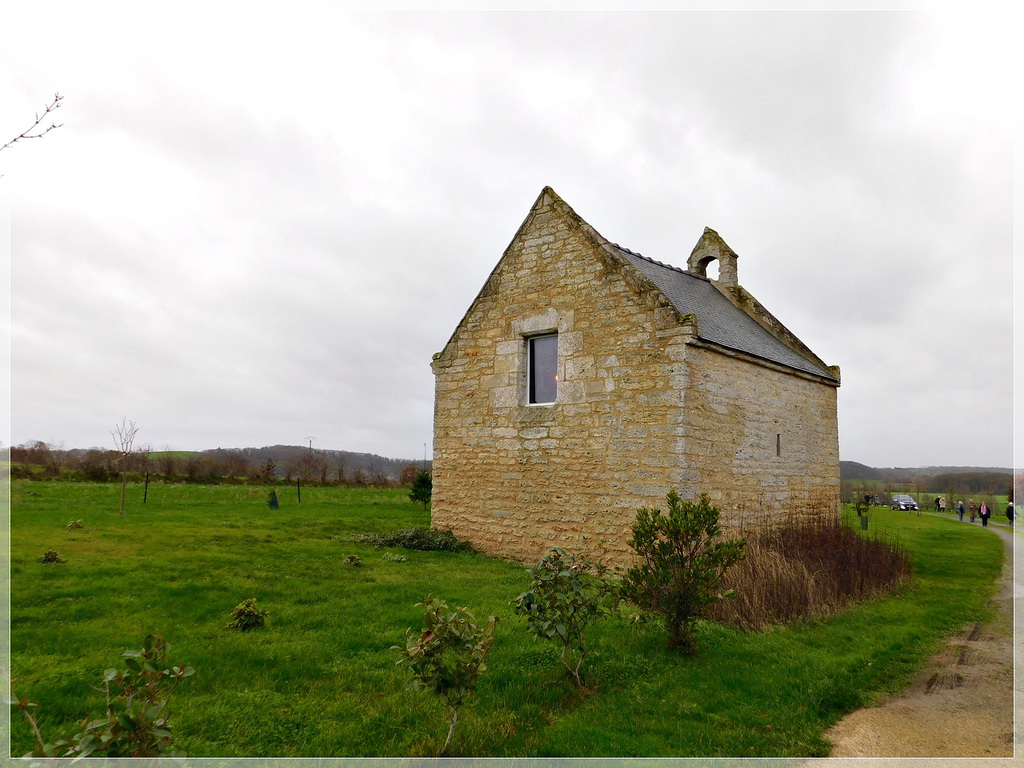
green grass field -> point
(320, 680)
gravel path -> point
(961, 706)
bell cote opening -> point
(709, 249)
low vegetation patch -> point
(323, 683)
(247, 616)
(137, 719)
(806, 568)
(423, 539)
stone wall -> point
(640, 408)
(767, 438)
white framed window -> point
(542, 369)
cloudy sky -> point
(257, 226)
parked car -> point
(903, 501)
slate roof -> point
(719, 320)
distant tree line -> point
(981, 483)
(269, 465)
(948, 484)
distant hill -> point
(288, 461)
(852, 470)
(284, 455)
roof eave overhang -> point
(832, 381)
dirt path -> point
(961, 706)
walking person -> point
(1009, 512)
(960, 510)
(972, 508)
(984, 512)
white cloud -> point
(259, 226)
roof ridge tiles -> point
(673, 267)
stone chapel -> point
(585, 381)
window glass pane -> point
(543, 369)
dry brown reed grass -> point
(807, 567)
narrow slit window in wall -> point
(542, 369)
(778, 445)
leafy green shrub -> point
(50, 556)
(422, 488)
(353, 560)
(75, 524)
(247, 615)
(138, 710)
(681, 564)
(567, 594)
(20, 471)
(424, 539)
(447, 657)
(390, 558)
(97, 473)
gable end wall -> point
(516, 479)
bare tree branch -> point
(36, 131)
(124, 437)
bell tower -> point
(709, 248)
